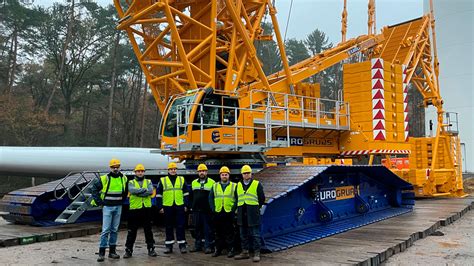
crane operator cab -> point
(206, 120)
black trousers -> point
(204, 232)
(139, 218)
(174, 218)
(224, 222)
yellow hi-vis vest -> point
(172, 194)
(224, 198)
(137, 202)
(115, 189)
(248, 197)
(196, 185)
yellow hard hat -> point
(114, 162)
(246, 169)
(139, 167)
(202, 167)
(224, 169)
(172, 165)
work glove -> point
(97, 203)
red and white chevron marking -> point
(363, 152)
(405, 101)
(378, 100)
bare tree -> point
(144, 105)
(112, 87)
(63, 57)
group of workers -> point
(214, 206)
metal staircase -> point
(80, 195)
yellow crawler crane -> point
(202, 67)
(220, 108)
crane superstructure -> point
(202, 66)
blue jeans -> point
(110, 225)
(250, 237)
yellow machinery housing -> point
(200, 61)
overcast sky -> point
(307, 15)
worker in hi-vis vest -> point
(203, 231)
(172, 200)
(110, 191)
(250, 198)
(140, 190)
(223, 203)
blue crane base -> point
(307, 203)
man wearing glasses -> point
(250, 197)
(110, 191)
(172, 200)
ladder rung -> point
(63, 221)
(69, 211)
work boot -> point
(183, 249)
(208, 251)
(195, 249)
(101, 255)
(113, 253)
(128, 253)
(169, 249)
(151, 252)
(231, 253)
(256, 256)
(243, 255)
(217, 253)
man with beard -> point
(250, 198)
(109, 191)
(201, 211)
(172, 200)
(223, 203)
(139, 214)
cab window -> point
(214, 115)
(170, 129)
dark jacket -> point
(97, 188)
(200, 199)
(159, 192)
(249, 215)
